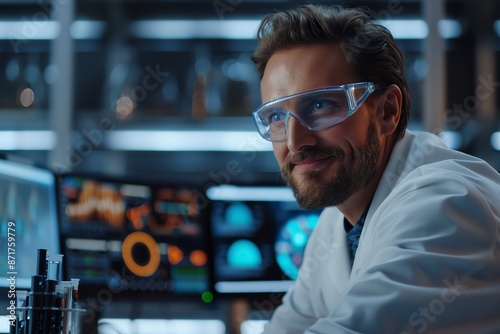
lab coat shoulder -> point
(447, 189)
(443, 213)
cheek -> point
(280, 152)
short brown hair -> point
(368, 46)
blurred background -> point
(161, 92)
(160, 87)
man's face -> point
(323, 168)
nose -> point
(297, 135)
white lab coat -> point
(428, 259)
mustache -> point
(312, 153)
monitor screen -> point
(258, 237)
(28, 221)
(131, 236)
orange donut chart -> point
(154, 254)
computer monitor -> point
(258, 237)
(28, 220)
(129, 236)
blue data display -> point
(259, 235)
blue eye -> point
(320, 108)
(321, 104)
(274, 116)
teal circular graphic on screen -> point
(291, 242)
(239, 214)
(244, 254)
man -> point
(409, 240)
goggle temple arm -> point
(351, 98)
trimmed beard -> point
(353, 175)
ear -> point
(391, 104)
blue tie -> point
(354, 233)
(353, 238)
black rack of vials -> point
(50, 306)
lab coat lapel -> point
(339, 264)
(395, 169)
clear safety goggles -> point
(316, 110)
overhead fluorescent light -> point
(29, 30)
(495, 140)
(143, 140)
(85, 29)
(27, 140)
(450, 28)
(418, 29)
(190, 29)
(452, 139)
(406, 29)
(246, 29)
(48, 30)
(200, 29)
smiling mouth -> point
(311, 160)
(311, 164)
